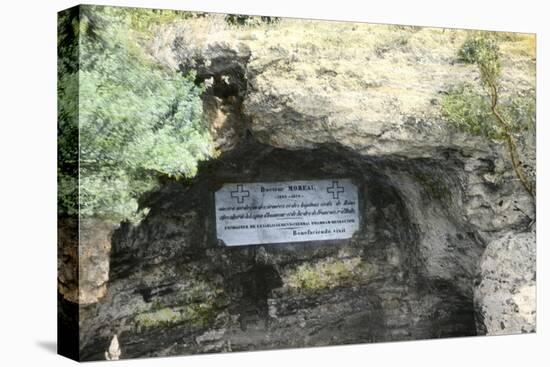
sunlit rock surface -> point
(506, 294)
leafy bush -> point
(483, 52)
(468, 109)
(137, 121)
(67, 111)
(488, 114)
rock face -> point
(506, 293)
(83, 257)
(431, 199)
(406, 275)
(174, 289)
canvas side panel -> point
(67, 181)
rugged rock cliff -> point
(311, 100)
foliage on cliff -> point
(133, 121)
(484, 111)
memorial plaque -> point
(293, 211)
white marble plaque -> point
(293, 211)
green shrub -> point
(470, 111)
(137, 122)
(487, 113)
(483, 52)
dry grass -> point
(378, 71)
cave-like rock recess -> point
(175, 290)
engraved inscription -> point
(293, 211)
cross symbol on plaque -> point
(335, 190)
(240, 194)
